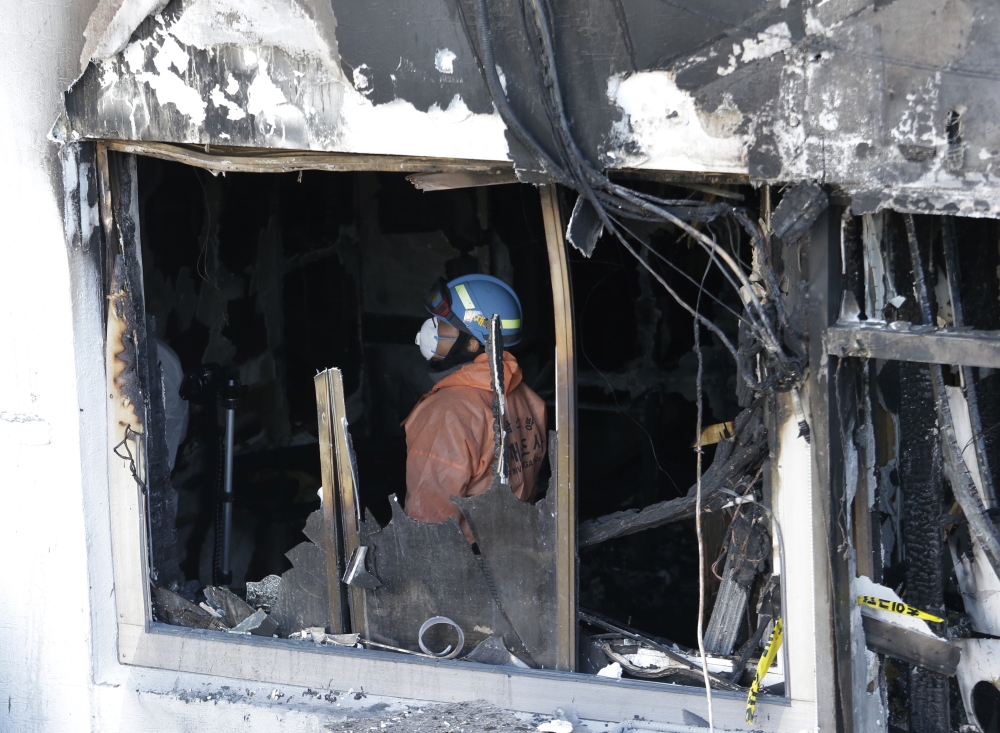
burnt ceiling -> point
(893, 101)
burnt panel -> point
(417, 52)
(426, 570)
(518, 541)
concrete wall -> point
(45, 636)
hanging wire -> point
(127, 456)
(698, 513)
(611, 389)
(775, 366)
(614, 203)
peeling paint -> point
(399, 128)
(170, 62)
(774, 39)
(111, 25)
(219, 100)
(855, 93)
(264, 98)
(362, 81)
(300, 28)
(444, 61)
(288, 94)
(661, 128)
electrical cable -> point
(583, 350)
(697, 513)
(646, 245)
(612, 203)
(606, 197)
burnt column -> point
(920, 467)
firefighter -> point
(449, 433)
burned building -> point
(755, 255)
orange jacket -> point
(449, 441)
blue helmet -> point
(469, 302)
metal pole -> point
(227, 497)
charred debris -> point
(917, 503)
(705, 311)
(699, 306)
(910, 445)
(369, 576)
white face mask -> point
(427, 339)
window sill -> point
(303, 664)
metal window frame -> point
(144, 643)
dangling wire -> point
(774, 366)
(697, 512)
(130, 433)
(614, 203)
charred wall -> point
(893, 101)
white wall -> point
(45, 626)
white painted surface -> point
(45, 635)
(791, 493)
(663, 122)
(980, 663)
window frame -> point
(145, 643)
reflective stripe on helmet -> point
(510, 323)
(464, 296)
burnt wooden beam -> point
(919, 344)
(563, 484)
(461, 179)
(229, 159)
(631, 521)
(734, 459)
(920, 475)
(921, 650)
(748, 547)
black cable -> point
(613, 202)
(646, 245)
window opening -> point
(305, 290)
(637, 413)
(273, 278)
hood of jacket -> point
(477, 374)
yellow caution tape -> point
(897, 607)
(770, 652)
